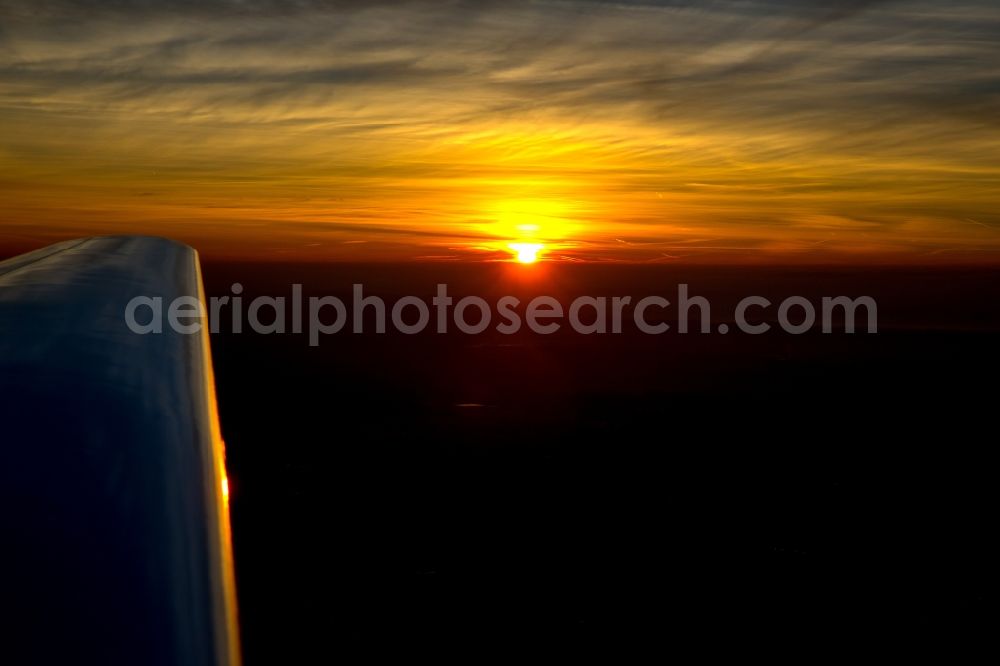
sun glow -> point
(529, 228)
(526, 253)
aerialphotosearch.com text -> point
(319, 316)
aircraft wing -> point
(114, 524)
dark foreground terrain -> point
(491, 494)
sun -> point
(526, 253)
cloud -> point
(735, 117)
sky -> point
(675, 131)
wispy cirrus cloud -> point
(868, 125)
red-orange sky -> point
(762, 130)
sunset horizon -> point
(726, 132)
